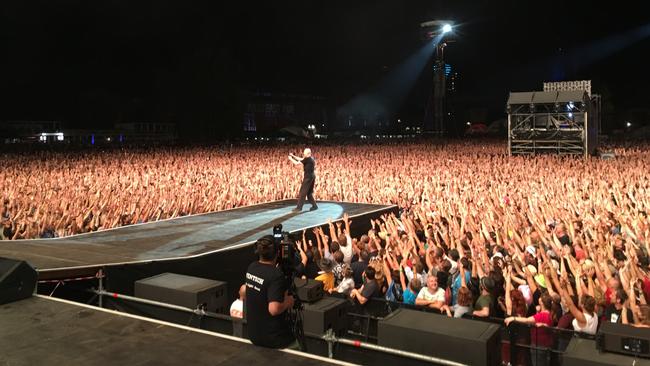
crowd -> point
(55, 194)
(552, 241)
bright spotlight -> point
(570, 115)
(446, 28)
(628, 124)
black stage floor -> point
(184, 237)
(47, 331)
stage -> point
(41, 330)
(183, 238)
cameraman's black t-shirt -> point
(308, 167)
(266, 283)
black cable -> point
(295, 314)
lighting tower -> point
(440, 32)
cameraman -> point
(267, 299)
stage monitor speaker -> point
(471, 342)
(190, 292)
(583, 352)
(309, 290)
(625, 339)
(324, 314)
(17, 280)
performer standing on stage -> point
(307, 187)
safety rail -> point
(516, 339)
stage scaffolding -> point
(556, 122)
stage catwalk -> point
(173, 239)
(47, 331)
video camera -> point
(288, 257)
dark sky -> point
(92, 63)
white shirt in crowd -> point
(345, 286)
(590, 327)
(425, 294)
(347, 250)
(420, 276)
(237, 309)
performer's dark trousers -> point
(307, 191)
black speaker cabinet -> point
(309, 290)
(466, 341)
(329, 312)
(17, 280)
(583, 352)
(190, 292)
(625, 339)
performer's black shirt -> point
(308, 167)
(266, 283)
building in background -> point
(30, 131)
(269, 112)
(147, 132)
(17, 132)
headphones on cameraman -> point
(265, 241)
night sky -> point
(90, 63)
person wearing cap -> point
(530, 255)
(326, 276)
(483, 305)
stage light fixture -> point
(570, 106)
(628, 124)
(446, 28)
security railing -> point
(517, 345)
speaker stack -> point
(327, 313)
(466, 341)
(187, 291)
(17, 280)
(308, 290)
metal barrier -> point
(331, 339)
(516, 339)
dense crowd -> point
(55, 194)
(549, 241)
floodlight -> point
(436, 29)
(570, 106)
(628, 124)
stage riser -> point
(228, 265)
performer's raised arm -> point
(294, 159)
